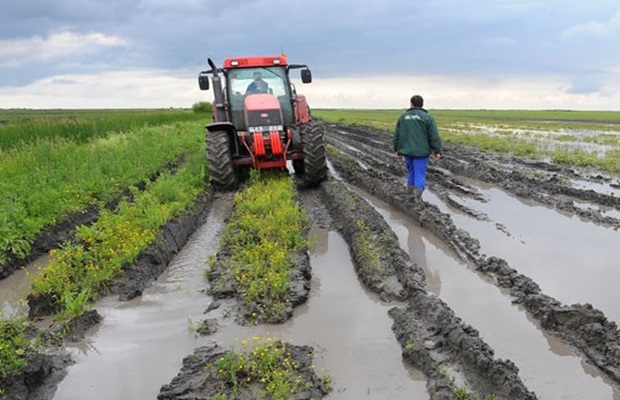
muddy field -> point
(500, 285)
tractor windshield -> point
(243, 82)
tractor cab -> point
(251, 90)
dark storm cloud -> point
(487, 38)
(437, 36)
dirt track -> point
(433, 337)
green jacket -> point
(416, 134)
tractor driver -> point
(258, 85)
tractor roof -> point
(255, 61)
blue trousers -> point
(416, 171)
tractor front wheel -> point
(315, 163)
(219, 159)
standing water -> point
(15, 288)
(348, 327)
(140, 344)
(546, 365)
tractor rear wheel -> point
(219, 159)
(315, 163)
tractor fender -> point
(221, 126)
(230, 130)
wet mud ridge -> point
(363, 157)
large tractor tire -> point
(219, 159)
(315, 163)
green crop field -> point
(55, 164)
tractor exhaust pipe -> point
(218, 93)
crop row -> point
(80, 269)
(49, 180)
(266, 228)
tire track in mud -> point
(581, 326)
(450, 353)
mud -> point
(38, 380)
(195, 382)
(434, 339)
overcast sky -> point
(493, 54)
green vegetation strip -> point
(45, 182)
(79, 270)
(267, 226)
(517, 133)
(21, 127)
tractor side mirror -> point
(306, 75)
(203, 81)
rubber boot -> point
(417, 195)
(411, 190)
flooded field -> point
(500, 285)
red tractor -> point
(259, 121)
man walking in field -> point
(415, 139)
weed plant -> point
(79, 270)
(13, 345)
(266, 227)
(264, 362)
(47, 181)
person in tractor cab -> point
(258, 85)
(415, 138)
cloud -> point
(586, 84)
(494, 41)
(594, 29)
(18, 52)
(113, 89)
(156, 88)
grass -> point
(265, 362)
(370, 248)
(518, 133)
(59, 167)
(18, 128)
(267, 226)
(47, 181)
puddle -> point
(348, 327)
(600, 187)
(140, 344)
(572, 261)
(547, 366)
(15, 288)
